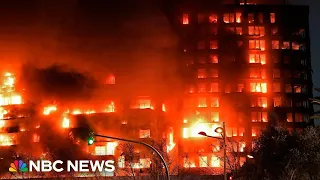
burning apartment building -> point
(247, 65)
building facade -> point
(245, 65)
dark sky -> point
(101, 34)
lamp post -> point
(142, 143)
(222, 132)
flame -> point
(65, 120)
(76, 111)
(111, 147)
(90, 112)
(171, 143)
(163, 107)
(110, 107)
(185, 19)
(8, 95)
(208, 128)
(2, 123)
(49, 109)
(5, 140)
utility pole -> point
(224, 151)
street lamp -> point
(137, 142)
(222, 132)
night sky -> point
(101, 35)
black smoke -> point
(56, 82)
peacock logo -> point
(18, 166)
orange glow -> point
(213, 18)
(5, 140)
(185, 19)
(49, 109)
(36, 138)
(22, 129)
(111, 79)
(3, 112)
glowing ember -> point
(49, 109)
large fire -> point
(8, 94)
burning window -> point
(254, 132)
(257, 73)
(202, 73)
(289, 117)
(240, 87)
(295, 46)
(256, 30)
(214, 73)
(259, 102)
(272, 17)
(288, 88)
(142, 103)
(277, 102)
(213, 44)
(260, 18)
(275, 44)
(111, 148)
(213, 58)
(242, 146)
(144, 133)
(201, 18)
(213, 30)
(241, 131)
(201, 45)
(258, 87)
(202, 88)
(215, 161)
(214, 116)
(250, 18)
(257, 44)
(239, 30)
(257, 58)
(215, 102)
(213, 18)
(297, 89)
(203, 161)
(214, 87)
(100, 150)
(36, 138)
(185, 132)
(259, 116)
(202, 102)
(285, 45)
(274, 31)
(111, 79)
(110, 107)
(228, 18)
(185, 19)
(201, 59)
(276, 87)
(238, 17)
(276, 73)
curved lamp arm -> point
(142, 143)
